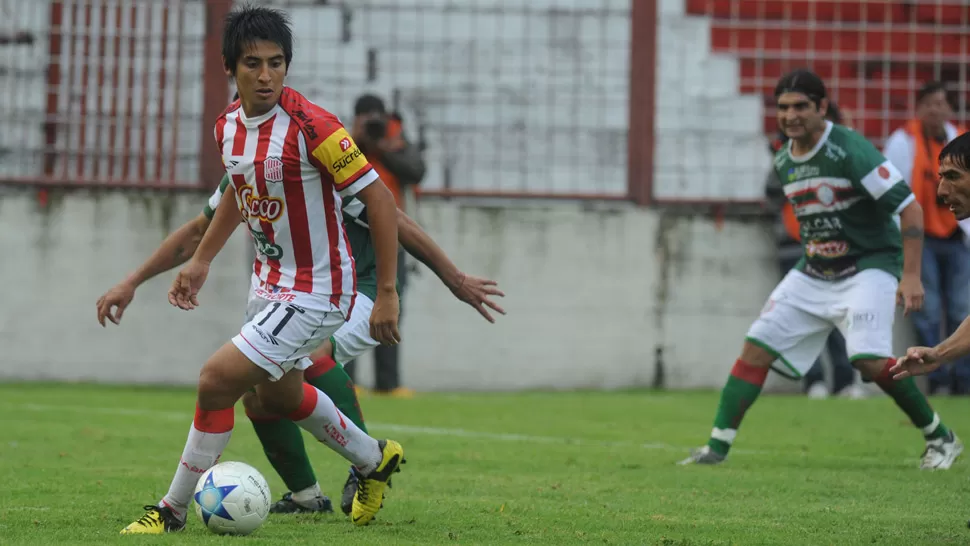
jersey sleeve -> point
(871, 172)
(334, 153)
(355, 211)
(210, 208)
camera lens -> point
(375, 128)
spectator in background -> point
(914, 149)
(789, 252)
(380, 136)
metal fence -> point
(655, 101)
(102, 92)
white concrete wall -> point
(590, 295)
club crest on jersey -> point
(273, 169)
(825, 194)
(345, 144)
(264, 208)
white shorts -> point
(802, 311)
(353, 338)
(283, 327)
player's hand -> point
(185, 289)
(916, 361)
(475, 291)
(114, 302)
(383, 318)
(909, 295)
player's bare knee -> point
(282, 397)
(757, 356)
(254, 407)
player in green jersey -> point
(282, 439)
(857, 265)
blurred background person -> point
(380, 136)
(914, 149)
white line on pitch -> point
(447, 432)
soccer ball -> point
(232, 498)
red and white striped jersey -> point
(288, 169)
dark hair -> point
(929, 88)
(833, 113)
(958, 151)
(802, 81)
(367, 104)
(250, 23)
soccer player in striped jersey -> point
(281, 439)
(857, 265)
(290, 163)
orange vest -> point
(790, 222)
(938, 221)
(787, 210)
(391, 181)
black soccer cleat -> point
(287, 505)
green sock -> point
(909, 399)
(742, 389)
(282, 441)
(330, 377)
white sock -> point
(202, 450)
(321, 418)
(306, 496)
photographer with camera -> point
(380, 136)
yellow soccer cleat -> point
(370, 489)
(156, 521)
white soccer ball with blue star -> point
(232, 498)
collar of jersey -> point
(258, 120)
(818, 145)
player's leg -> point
(374, 461)
(789, 332)
(282, 442)
(224, 378)
(871, 299)
(282, 439)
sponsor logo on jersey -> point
(264, 208)
(273, 169)
(802, 171)
(346, 160)
(341, 156)
(284, 296)
(883, 172)
(264, 247)
(305, 123)
(828, 249)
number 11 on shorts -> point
(287, 315)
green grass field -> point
(79, 461)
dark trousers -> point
(946, 282)
(842, 371)
(387, 374)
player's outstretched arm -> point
(382, 219)
(174, 251)
(923, 360)
(910, 293)
(474, 291)
(190, 279)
